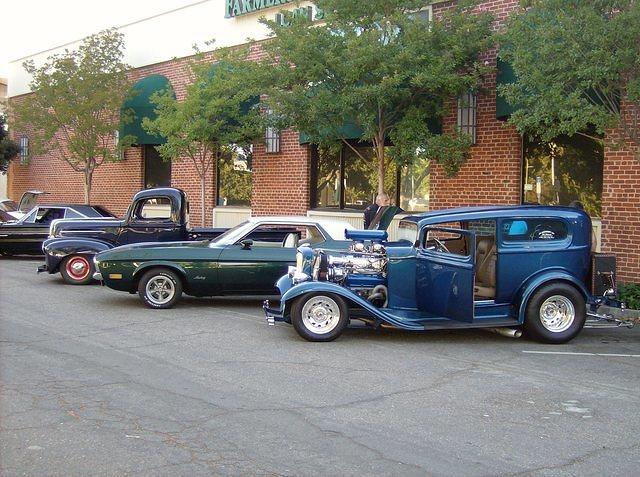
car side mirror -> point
(246, 244)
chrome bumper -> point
(97, 276)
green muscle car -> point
(246, 260)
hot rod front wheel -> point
(319, 316)
(555, 313)
(77, 270)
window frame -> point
(467, 115)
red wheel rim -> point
(78, 268)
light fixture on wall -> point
(271, 137)
(24, 150)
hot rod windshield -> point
(408, 231)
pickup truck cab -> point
(155, 215)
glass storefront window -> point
(564, 170)
(414, 186)
(407, 186)
(234, 178)
(328, 179)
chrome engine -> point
(363, 269)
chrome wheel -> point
(160, 290)
(78, 268)
(557, 313)
(320, 314)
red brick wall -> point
(493, 173)
(621, 208)
(281, 181)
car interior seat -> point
(485, 268)
(290, 240)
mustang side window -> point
(534, 229)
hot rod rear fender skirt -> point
(548, 276)
(351, 298)
(56, 249)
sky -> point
(30, 26)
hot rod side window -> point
(534, 230)
(447, 241)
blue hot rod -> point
(515, 268)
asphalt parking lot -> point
(93, 383)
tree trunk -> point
(88, 179)
(203, 185)
(381, 164)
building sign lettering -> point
(236, 8)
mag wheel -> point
(160, 288)
(77, 269)
(319, 316)
(555, 313)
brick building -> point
(293, 177)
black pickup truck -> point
(155, 215)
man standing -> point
(370, 212)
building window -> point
(344, 179)
(234, 178)
(271, 137)
(566, 169)
(467, 117)
(24, 150)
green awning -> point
(142, 107)
(351, 130)
(505, 75)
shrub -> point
(629, 293)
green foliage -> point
(74, 109)
(218, 115)
(379, 65)
(629, 293)
(574, 59)
(8, 148)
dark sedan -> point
(25, 235)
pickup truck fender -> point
(350, 297)
(56, 249)
(534, 282)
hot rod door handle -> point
(438, 267)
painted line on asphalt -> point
(571, 353)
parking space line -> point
(571, 353)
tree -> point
(576, 61)
(379, 66)
(74, 108)
(8, 148)
(217, 116)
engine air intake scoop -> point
(362, 235)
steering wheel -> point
(440, 246)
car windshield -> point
(233, 234)
(8, 206)
(408, 231)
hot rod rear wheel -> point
(555, 313)
(77, 269)
(160, 288)
(319, 316)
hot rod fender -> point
(348, 295)
(56, 249)
(548, 276)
